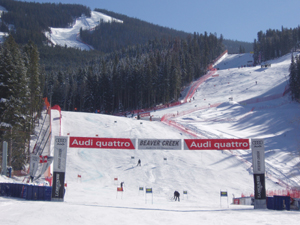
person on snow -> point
(122, 183)
(176, 196)
(139, 163)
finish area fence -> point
(42, 145)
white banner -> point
(258, 156)
(46, 164)
(34, 163)
(163, 144)
(60, 154)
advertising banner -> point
(147, 114)
(258, 162)
(162, 144)
(59, 167)
(58, 186)
(258, 156)
(60, 154)
(259, 186)
(216, 144)
(102, 143)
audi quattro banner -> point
(169, 144)
(102, 143)
(216, 144)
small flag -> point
(79, 176)
(141, 188)
(116, 178)
(148, 190)
(43, 159)
(185, 192)
(119, 189)
(223, 193)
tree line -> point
(113, 36)
(139, 76)
(275, 43)
(20, 97)
(294, 79)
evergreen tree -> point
(294, 79)
(14, 102)
(33, 73)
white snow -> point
(70, 36)
(203, 174)
(3, 35)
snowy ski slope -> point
(203, 174)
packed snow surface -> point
(257, 109)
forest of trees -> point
(21, 99)
(275, 43)
(110, 37)
(30, 20)
(137, 77)
(295, 78)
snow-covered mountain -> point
(70, 36)
(259, 109)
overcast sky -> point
(234, 19)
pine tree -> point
(14, 109)
(33, 73)
(294, 79)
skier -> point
(176, 196)
(122, 183)
(139, 163)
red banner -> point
(216, 144)
(103, 143)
